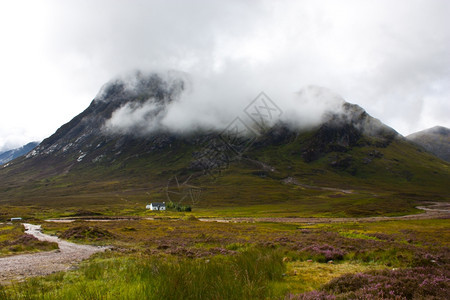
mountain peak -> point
(355, 116)
(162, 87)
(440, 130)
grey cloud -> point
(387, 57)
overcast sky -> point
(390, 57)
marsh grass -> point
(244, 276)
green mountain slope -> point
(350, 165)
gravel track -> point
(43, 263)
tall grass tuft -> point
(245, 275)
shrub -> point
(324, 252)
(178, 207)
(91, 233)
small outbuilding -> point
(16, 219)
(156, 206)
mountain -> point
(349, 164)
(9, 155)
(435, 140)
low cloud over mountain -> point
(179, 102)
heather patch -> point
(412, 283)
(90, 233)
(323, 252)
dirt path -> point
(20, 266)
(434, 211)
(292, 180)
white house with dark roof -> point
(156, 206)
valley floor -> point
(432, 211)
(236, 258)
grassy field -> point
(212, 260)
(278, 200)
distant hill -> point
(435, 140)
(9, 155)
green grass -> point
(10, 231)
(357, 235)
(244, 276)
(303, 276)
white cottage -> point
(156, 206)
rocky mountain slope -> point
(435, 140)
(350, 156)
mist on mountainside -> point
(179, 102)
